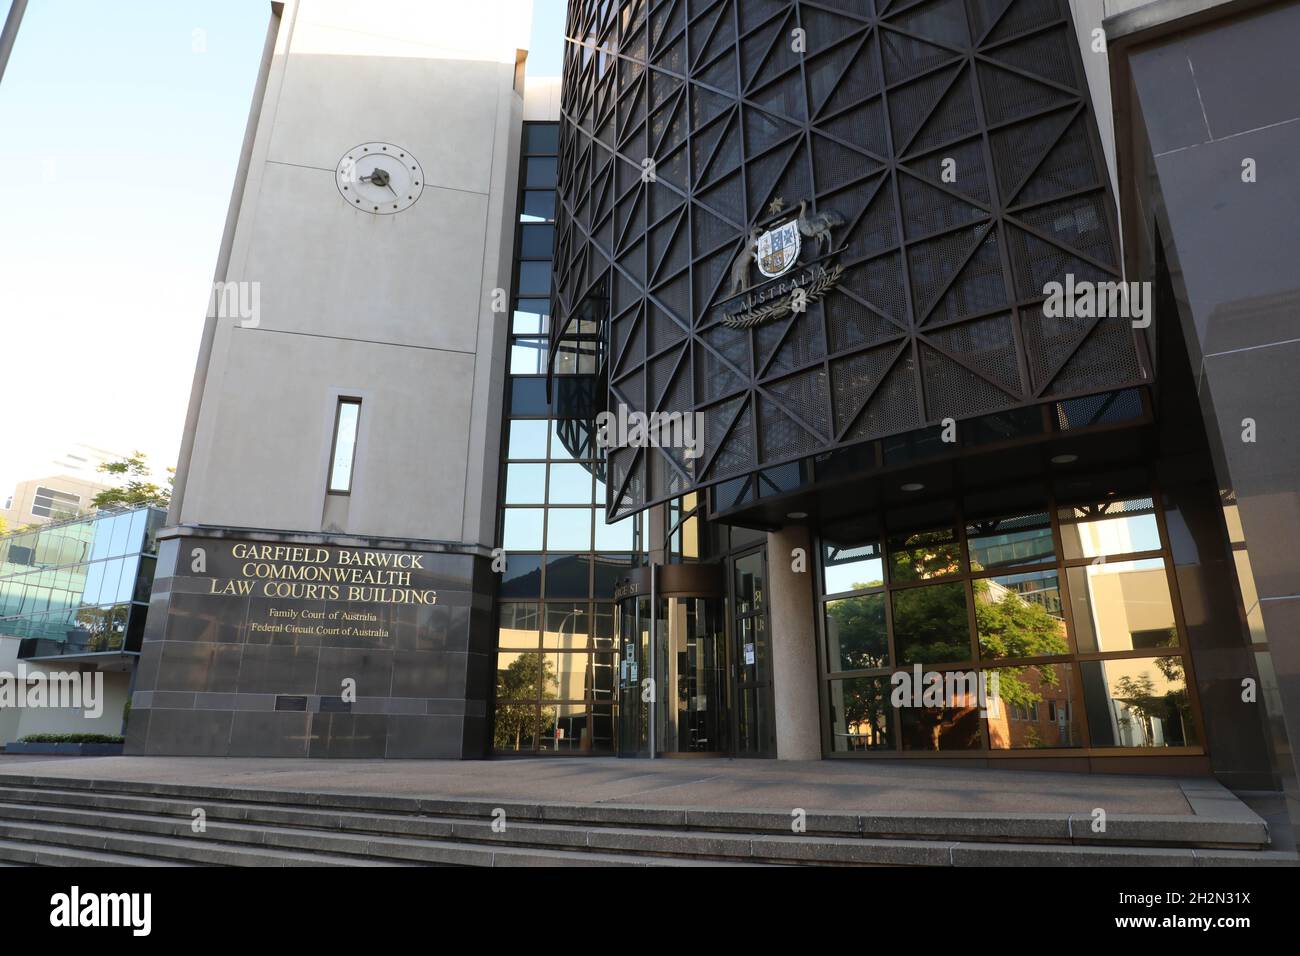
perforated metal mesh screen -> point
(953, 137)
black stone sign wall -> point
(257, 647)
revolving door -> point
(673, 664)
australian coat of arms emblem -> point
(776, 251)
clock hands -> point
(381, 177)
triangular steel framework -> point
(955, 138)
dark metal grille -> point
(938, 312)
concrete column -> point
(793, 645)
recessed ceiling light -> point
(912, 486)
(797, 515)
(1064, 459)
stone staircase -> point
(76, 822)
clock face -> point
(379, 178)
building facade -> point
(779, 360)
(325, 584)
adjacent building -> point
(65, 493)
(782, 359)
(74, 595)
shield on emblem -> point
(778, 249)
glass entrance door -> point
(688, 678)
(752, 718)
(634, 655)
(692, 674)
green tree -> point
(527, 678)
(137, 490)
(1011, 627)
(866, 706)
(859, 624)
(1172, 706)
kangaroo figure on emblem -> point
(740, 268)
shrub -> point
(71, 739)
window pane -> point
(1007, 542)
(345, 441)
(570, 485)
(135, 537)
(518, 676)
(515, 727)
(541, 137)
(528, 438)
(851, 569)
(1140, 702)
(579, 727)
(535, 278)
(540, 172)
(1122, 606)
(121, 535)
(1111, 527)
(535, 240)
(570, 433)
(568, 529)
(94, 583)
(528, 397)
(609, 570)
(855, 633)
(566, 627)
(523, 529)
(112, 580)
(539, 206)
(958, 726)
(532, 317)
(1036, 707)
(924, 555)
(861, 715)
(522, 576)
(572, 675)
(616, 536)
(528, 356)
(930, 624)
(520, 624)
(575, 357)
(1019, 615)
(567, 576)
(525, 484)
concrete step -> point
(184, 851)
(1228, 824)
(302, 840)
(307, 834)
(35, 854)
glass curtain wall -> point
(80, 586)
(556, 659)
(1072, 607)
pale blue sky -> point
(120, 127)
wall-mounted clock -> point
(379, 178)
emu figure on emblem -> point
(819, 225)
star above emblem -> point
(775, 206)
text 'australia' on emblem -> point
(776, 252)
